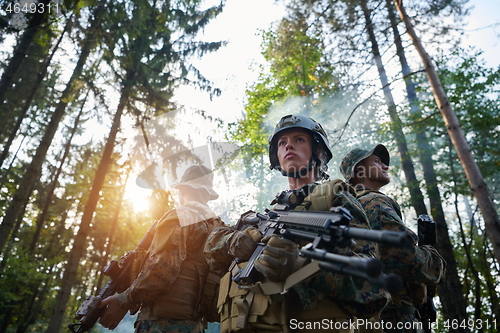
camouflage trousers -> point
(170, 326)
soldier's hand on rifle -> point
(277, 261)
(113, 314)
(244, 243)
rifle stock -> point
(89, 312)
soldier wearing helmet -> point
(299, 149)
(367, 171)
(288, 133)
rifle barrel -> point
(371, 266)
(327, 223)
(393, 238)
(392, 282)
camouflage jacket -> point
(354, 295)
(416, 264)
(175, 252)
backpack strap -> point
(321, 198)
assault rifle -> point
(427, 236)
(324, 231)
(119, 280)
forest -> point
(89, 109)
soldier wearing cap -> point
(172, 279)
(367, 171)
(299, 149)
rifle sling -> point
(272, 288)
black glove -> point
(277, 261)
(243, 243)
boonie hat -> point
(198, 177)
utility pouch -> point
(208, 303)
(249, 310)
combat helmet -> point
(356, 155)
(319, 138)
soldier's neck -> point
(295, 183)
(367, 183)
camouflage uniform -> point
(320, 296)
(170, 283)
(417, 265)
(354, 295)
(325, 295)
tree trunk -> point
(490, 279)
(6, 319)
(32, 94)
(476, 181)
(11, 241)
(114, 225)
(30, 306)
(13, 303)
(32, 173)
(35, 305)
(79, 245)
(417, 198)
(468, 256)
(48, 200)
(20, 53)
(6, 172)
(450, 291)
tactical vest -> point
(191, 293)
(266, 307)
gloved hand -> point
(277, 261)
(243, 243)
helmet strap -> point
(300, 173)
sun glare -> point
(137, 196)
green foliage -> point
(298, 78)
(473, 89)
(17, 280)
(147, 47)
(294, 53)
(290, 73)
(474, 92)
(296, 69)
(45, 95)
(150, 49)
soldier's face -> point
(294, 149)
(373, 169)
